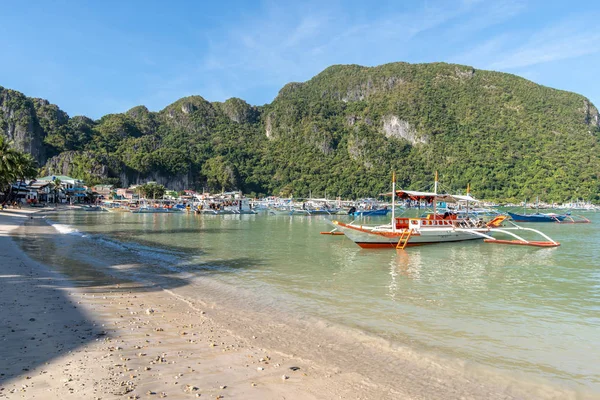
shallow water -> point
(525, 310)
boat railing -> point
(416, 223)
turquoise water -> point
(525, 310)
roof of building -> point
(54, 177)
(39, 185)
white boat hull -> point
(367, 238)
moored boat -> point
(225, 205)
(537, 217)
(435, 228)
(91, 208)
(368, 208)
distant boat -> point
(368, 208)
(315, 207)
(154, 210)
(370, 213)
(224, 206)
(537, 217)
(91, 208)
(550, 217)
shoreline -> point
(115, 341)
(133, 339)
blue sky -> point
(99, 57)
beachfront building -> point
(73, 189)
(127, 193)
(41, 192)
(103, 190)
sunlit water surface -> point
(515, 308)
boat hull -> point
(536, 217)
(92, 208)
(370, 213)
(386, 239)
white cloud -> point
(529, 55)
(574, 37)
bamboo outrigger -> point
(435, 228)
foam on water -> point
(65, 229)
(147, 252)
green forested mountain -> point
(342, 132)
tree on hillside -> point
(152, 190)
(220, 174)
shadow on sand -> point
(41, 321)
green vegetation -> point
(342, 133)
(151, 190)
(14, 167)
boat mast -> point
(435, 188)
(394, 201)
(468, 190)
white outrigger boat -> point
(224, 207)
(435, 228)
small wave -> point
(150, 253)
(65, 229)
(144, 251)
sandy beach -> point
(120, 341)
(111, 337)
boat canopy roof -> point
(430, 196)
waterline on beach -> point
(501, 308)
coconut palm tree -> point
(56, 186)
(14, 166)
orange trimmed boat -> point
(435, 228)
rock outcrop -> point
(239, 111)
(20, 124)
(395, 127)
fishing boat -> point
(546, 217)
(549, 217)
(537, 217)
(312, 207)
(404, 232)
(368, 208)
(91, 208)
(159, 207)
(154, 210)
(116, 206)
(224, 206)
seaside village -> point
(155, 198)
(60, 189)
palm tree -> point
(14, 166)
(56, 186)
(8, 161)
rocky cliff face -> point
(398, 128)
(69, 162)
(20, 124)
(177, 182)
(239, 111)
(591, 115)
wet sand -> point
(118, 340)
(60, 341)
